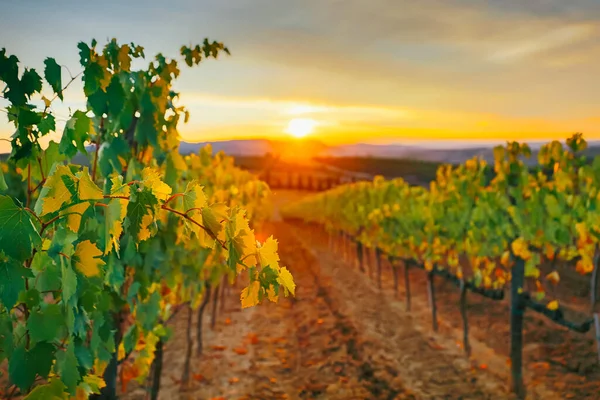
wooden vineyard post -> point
(378, 261)
(407, 284)
(185, 376)
(369, 256)
(213, 317)
(205, 301)
(517, 310)
(395, 274)
(463, 313)
(431, 293)
(157, 370)
(359, 255)
(223, 292)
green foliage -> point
(83, 249)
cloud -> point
(556, 39)
(379, 62)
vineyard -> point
(492, 231)
(483, 285)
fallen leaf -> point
(319, 321)
(234, 380)
(253, 338)
(218, 348)
(198, 377)
(273, 380)
(541, 365)
(241, 351)
(227, 321)
(483, 366)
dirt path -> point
(338, 339)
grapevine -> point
(484, 227)
(96, 260)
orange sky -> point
(377, 71)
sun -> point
(300, 127)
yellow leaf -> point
(124, 58)
(88, 190)
(286, 280)
(74, 215)
(521, 249)
(267, 254)
(505, 260)
(193, 198)
(214, 216)
(85, 258)
(178, 161)
(115, 214)
(553, 305)
(271, 294)
(121, 353)
(249, 296)
(46, 101)
(151, 179)
(144, 233)
(55, 191)
(553, 277)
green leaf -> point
(31, 82)
(141, 205)
(109, 156)
(6, 336)
(45, 325)
(116, 96)
(130, 338)
(55, 390)
(552, 206)
(50, 156)
(28, 117)
(18, 235)
(47, 124)
(66, 366)
(24, 365)
(84, 53)
(98, 102)
(149, 311)
(76, 130)
(92, 78)
(58, 190)
(3, 185)
(52, 73)
(69, 282)
(83, 354)
(31, 298)
(47, 272)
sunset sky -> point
(376, 71)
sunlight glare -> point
(300, 127)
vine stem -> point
(29, 210)
(212, 235)
(28, 185)
(174, 197)
(94, 167)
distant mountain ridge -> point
(260, 147)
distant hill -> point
(260, 147)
